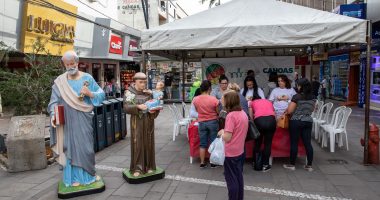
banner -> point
(236, 68)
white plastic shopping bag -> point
(216, 150)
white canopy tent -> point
(254, 24)
(244, 25)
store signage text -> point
(116, 46)
(58, 31)
(279, 70)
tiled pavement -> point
(351, 180)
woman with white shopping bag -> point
(234, 134)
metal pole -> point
(367, 92)
(143, 61)
(184, 58)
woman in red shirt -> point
(207, 108)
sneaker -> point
(289, 167)
(308, 168)
(203, 165)
(214, 166)
(267, 168)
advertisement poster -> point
(236, 68)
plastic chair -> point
(184, 107)
(178, 123)
(179, 113)
(324, 116)
(321, 117)
(329, 123)
(338, 129)
(318, 104)
(315, 114)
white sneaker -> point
(289, 167)
(308, 168)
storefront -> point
(110, 55)
(171, 74)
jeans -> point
(233, 173)
(299, 128)
(267, 127)
(208, 131)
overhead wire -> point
(49, 5)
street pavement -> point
(338, 175)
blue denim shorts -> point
(208, 131)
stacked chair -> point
(330, 129)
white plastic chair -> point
(179, 113)
(318, 105)
(329, 123)
(184, 107)
(178, 123)
(324, 116)
(338, 129)
(322, 113)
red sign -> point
(132, 48)
(116, 45)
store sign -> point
(355, 58)
(83, 65)
(320, 57)
(133, 46)
(376, 30)
(354, 10)
(54, 28)
(116, 45)
(57, 31)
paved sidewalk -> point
(347, 180)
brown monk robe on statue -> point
(142, 126)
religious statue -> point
(158, 95)
(143, 165)
(74, 94)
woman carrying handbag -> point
(263, 114)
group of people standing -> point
(225, 112)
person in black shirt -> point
(168, 84)
(315, 86)
(300, 123)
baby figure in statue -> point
(158, 95)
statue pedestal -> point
(71, 192)
(155, 175)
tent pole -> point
(184, 59)
(367, 93)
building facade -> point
(130, 12)
(90, 27)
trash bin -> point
(99, 128)
(116, 119)
(123, 119)
(108, 120)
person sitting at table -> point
(251, 88)
(207, 108)
(193, 112)
(234, 135)
(243, 102)
(281, 95)
(300, 124)
(264, 117)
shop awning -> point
(254, 24)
